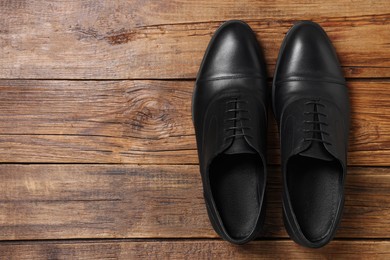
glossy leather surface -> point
(311, 106)
(230, 118)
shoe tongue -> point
(239, 146)
(318, 151)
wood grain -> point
(129, 201)
(96, 95)
(167, 39)
(147, 122)
(203, 249)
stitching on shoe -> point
(315, 80)
(231, 77)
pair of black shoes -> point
(310, 102)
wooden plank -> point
(130, 201)
(147, 122)
(133, 39)
(193, 249)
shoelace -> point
(236, 113)
(314, 126)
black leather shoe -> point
(311, 105)
(229, 111)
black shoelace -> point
(236, 113)
(314, 127)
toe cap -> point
(233, 52)
(307, 53)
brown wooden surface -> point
(97, 148)
(196, 249)
(147, 122)
(166, 39)
(129, 201)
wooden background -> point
(97, 148)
